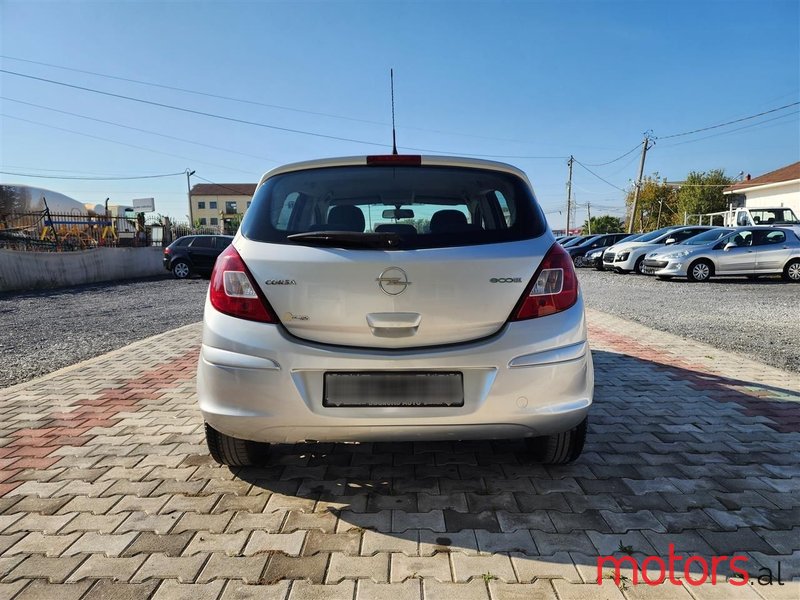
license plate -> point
(393, 388)
(648, 270)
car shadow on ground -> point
(672, 456)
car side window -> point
(763, 238)
(742, 219)
(222, 242)
(205, 241)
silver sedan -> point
(747, 251)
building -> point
(218, 204)
(779, 188)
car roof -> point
(437, 161)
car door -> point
(772, 250)
(738, 260)
(202, 252)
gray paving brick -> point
(437, 566)
(436, 590)
(171, 544)
(223, 543)
(369, 590)
(39, 543)
(221, 566)
(375, 541)
(98, 566)
(93, 542)
(40, 590)
(280, 567)
(552, 543)
(354, 567)
(538, 590)
(288, 543)
(319, 541)
(174, 590)
(554, 566)
(467, 567)
(37, 566)
(304, 590)
(160, 566)
(431, 542)
(517, 541)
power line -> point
(256, 103)
(164, 135)
(766, 112)
(598, 176)
(634, 149)
(257, 124)
(91, 178)
(713, 135)
(237, 192)
(97, 137)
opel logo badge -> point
(393, 281)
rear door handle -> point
(394, 324)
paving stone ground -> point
(107, 490)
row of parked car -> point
(695, 252)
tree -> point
(603, 224)
(658, 204)
(702, 192)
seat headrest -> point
(346, 218)
(448, 221)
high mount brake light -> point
(234, 292)
(394, 159)
(553, 288)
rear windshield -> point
(420, 206)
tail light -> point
(553, 288)
(234, 292)
(167, 251)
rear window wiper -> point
(347, 239)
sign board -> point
(144, 205)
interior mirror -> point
(670, 241)
(729, 245)
(398, 213)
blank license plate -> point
(392, 388)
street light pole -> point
(189, 194)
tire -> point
(181, 269)
(791, 272)
(234, 452)
(600, 267)
(637, 266)
(700, 270)
(560, 448)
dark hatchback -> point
(194, 254)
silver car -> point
(745, 251)
(394, 298)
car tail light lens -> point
(234, 292)
(553, 288)
(167, 251)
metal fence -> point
(57, 232)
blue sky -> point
(526, 79)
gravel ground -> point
(760, 319)
(45, 331)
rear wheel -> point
(227, 450)
(700, 270)
(560, 448)
(181, 269)
(791, 272)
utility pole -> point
(189, 195)
(645, 147)
(589, 214)
(569, 193)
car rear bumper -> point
(533, 378)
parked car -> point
(653, 260)
(594, 258)
(579, 251)
(578, 239)
(746, 251)
(627, 257)
(194, 254)
(394, 298)
(566, 238)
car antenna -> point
(394, 135)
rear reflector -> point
(394, 159)
(553, 288)
(234, 292)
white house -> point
(779, 188)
